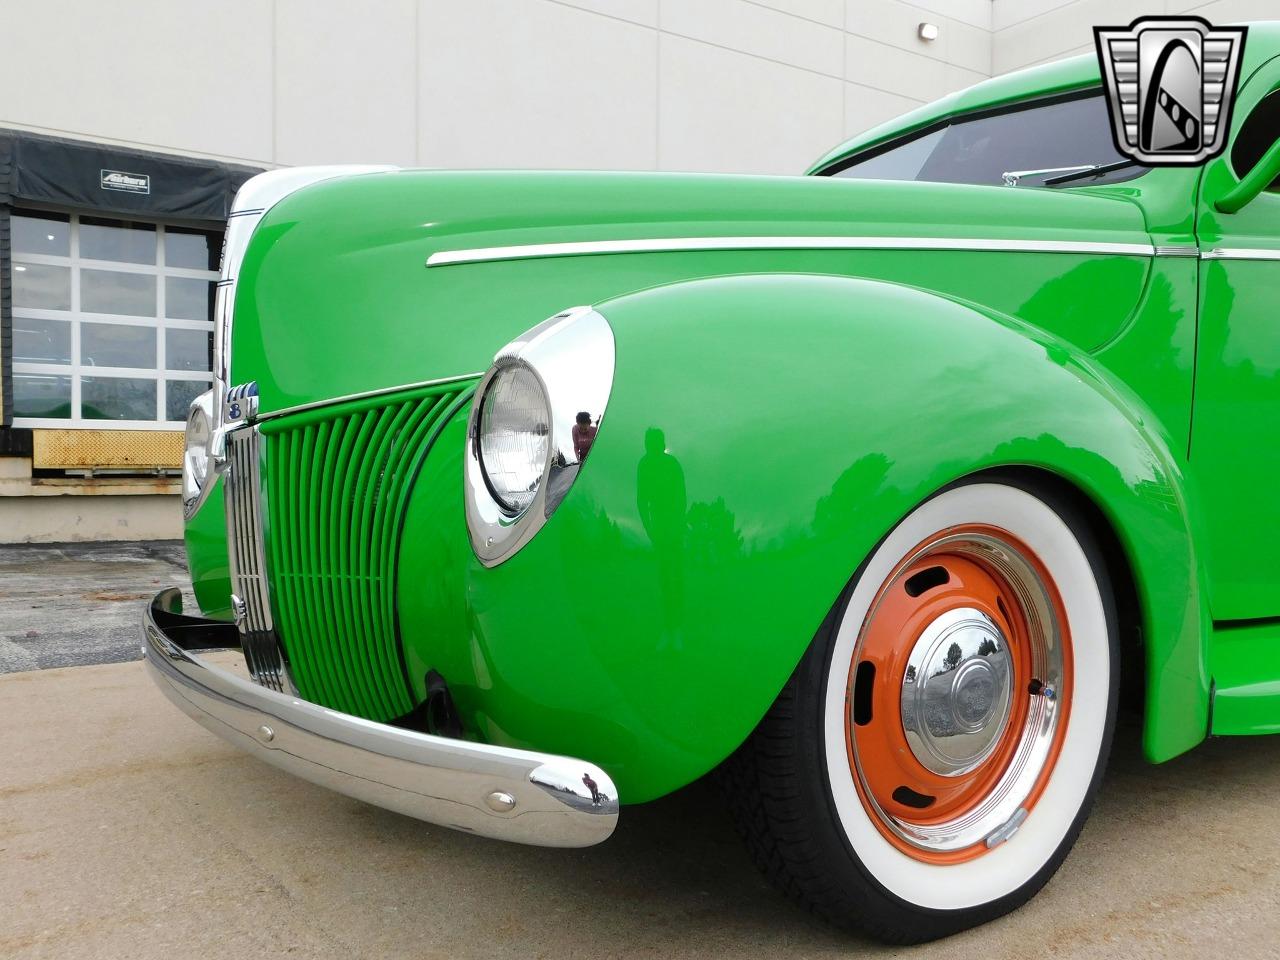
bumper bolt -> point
(266, 734)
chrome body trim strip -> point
(1178, 251)
(1240, 253)
(443, 258)
(507, 794)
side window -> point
(1259, 131)
(979, 150)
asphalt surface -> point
(65, 605)
(126, 830)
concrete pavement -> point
(128, 831)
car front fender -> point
(763, 435)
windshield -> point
(980, 150)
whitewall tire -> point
(935, 754)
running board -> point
(1245, 663)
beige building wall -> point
(761, 86)
(1028, 32)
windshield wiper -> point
(1011, 178)
(1068, 174)
(1097, 170)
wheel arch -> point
(1119, 565)
(797, 419)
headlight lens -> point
(514, 437)
(195, 460)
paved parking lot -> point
(65, 605)
(128, 831)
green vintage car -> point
(871, 489)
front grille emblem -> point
(1170, 84)
(241, 403)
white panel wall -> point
(737, 85)
(345, 95)
(1027, 32)
(116, 70)
(742, 85)
(537, 84)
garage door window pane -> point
(41, 341)
(127, 294)
(41, 286)
(37, 395)
(178, 395)
(112, 320)
(186, 299)
(188, 349)
(115, 398)
(47, 233)
(116, 345)
(117, 240)
(192, 249)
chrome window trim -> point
(573, 355)
(1240, 253)
(444, 258)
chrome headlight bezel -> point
(572, 356)
(198, 473)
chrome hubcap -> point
(957, 692)
(979, 701)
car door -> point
(1235, 443)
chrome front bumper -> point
(507, 794)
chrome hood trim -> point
(444, 258)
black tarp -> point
(42, 170)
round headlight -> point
(195, 459)
(514, 437)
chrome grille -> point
(250, 599)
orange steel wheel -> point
(958, 694)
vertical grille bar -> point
(250, 591)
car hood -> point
(336, 296)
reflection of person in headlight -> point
(593, 787)
(584, 435)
